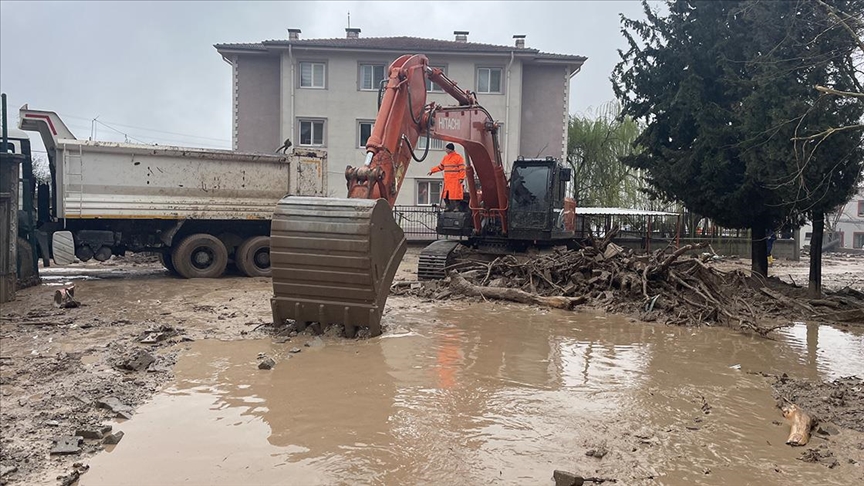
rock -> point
(112, 403)
(564, 478)
(114, 438)
(267, 363)
(598, 452)
(827, 429)
(52, 423)
(315, 342)
(4, 470)
(94, 433)
(295, 350)
(139, 360)
(66, 445)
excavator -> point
(333, 259)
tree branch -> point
(831, 131)
(833, 13)
(826, 90)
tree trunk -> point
(758, 249)
(815, 287)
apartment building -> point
(324, 93)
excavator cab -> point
(536, 205)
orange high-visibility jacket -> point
(453, 166)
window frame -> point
(857, 234)
(432, 87)
(861, 208)
(500, 79)
(360, 123)
(434, 141)
(418, 182)
(313, 62)
(374, 64)
(313, 120)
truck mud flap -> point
(333, 261)
(434, 260)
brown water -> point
(486, 394)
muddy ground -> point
(70, 370)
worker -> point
(453, 166)
(772, 237)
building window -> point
(429, 192)
(364, 130)
(312, 74)
(432, 87)
(312, 133)
(488, 80)
(371, 76)
(435, 144)
(858, 240)
(861, 209)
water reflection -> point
(471, 395)
(830, 351)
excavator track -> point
(333, 261)
(434, 260)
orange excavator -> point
(333, 260)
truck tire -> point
(200, 256)
(253, 257)
(165, 260)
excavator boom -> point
(333, 260)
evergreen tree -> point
(726, 89)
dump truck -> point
(199, 209)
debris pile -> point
(667, 285)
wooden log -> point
(801, 423)
(462, 286)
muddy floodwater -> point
(482, 394)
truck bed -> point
(107, 180)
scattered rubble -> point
(94, 433)
(153, 336)
(565, 478)
(113, 439)
(821, 455)
(64, 298)
(116, 406)
(139, 360)
(66, 445)
(72, 478)
(266, 363)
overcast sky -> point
(149, 69)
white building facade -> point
(323, 93)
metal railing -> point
(418, 222)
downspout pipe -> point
(293, 90)
(507, 115)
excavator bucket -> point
(333, 261)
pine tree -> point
(726, 89)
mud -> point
(459, 392)
(839, 401)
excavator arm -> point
(404, 117)
(333, 260)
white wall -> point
(342, 104)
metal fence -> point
(418, 222)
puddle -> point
(479, 395)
